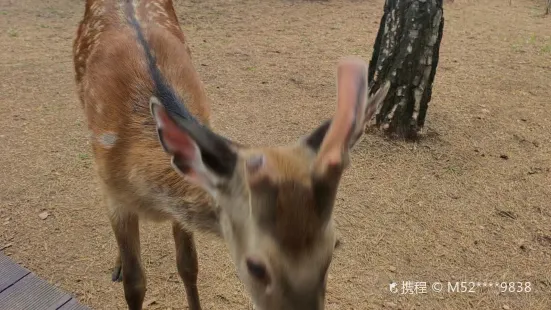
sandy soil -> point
(470, 202)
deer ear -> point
(334, 138)
(200, 155)
(315, 138)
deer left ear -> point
(334, 138)
(315, 138)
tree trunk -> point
(406, 54)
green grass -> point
(12, 33)
(517, 48)
(454, 169)
(532, 39)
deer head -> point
(276, 202)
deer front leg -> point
(116, 276)
(126, 228)
(186, 260)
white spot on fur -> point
(97, 9)
(158, 5)
(108, 140)
(133, 174)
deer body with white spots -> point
(157, 158)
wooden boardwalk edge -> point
(20, 289)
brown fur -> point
(287, 198)
(275, 212)
(115, 88)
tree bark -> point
(406, 53)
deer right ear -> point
(316, 137)
(200, 155)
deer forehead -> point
(284, 200)
(282, 164)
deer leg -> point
(126, 229)
(186, 260)
(116, 276)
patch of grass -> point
(517, 48)
(3, 13)
(251, 69)
(546, 48)
(535, 11)
(83, 156)
(12, 33)
(532, 39)
(454, 169)
(54, 11)
(51, 12)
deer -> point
(158, 158)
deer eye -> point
(257, 270)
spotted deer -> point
(158, 158)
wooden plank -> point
(73, 304)
(21, 289)
(32, 292)
(10, 272)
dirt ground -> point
(470, 202)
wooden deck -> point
(20, 289)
